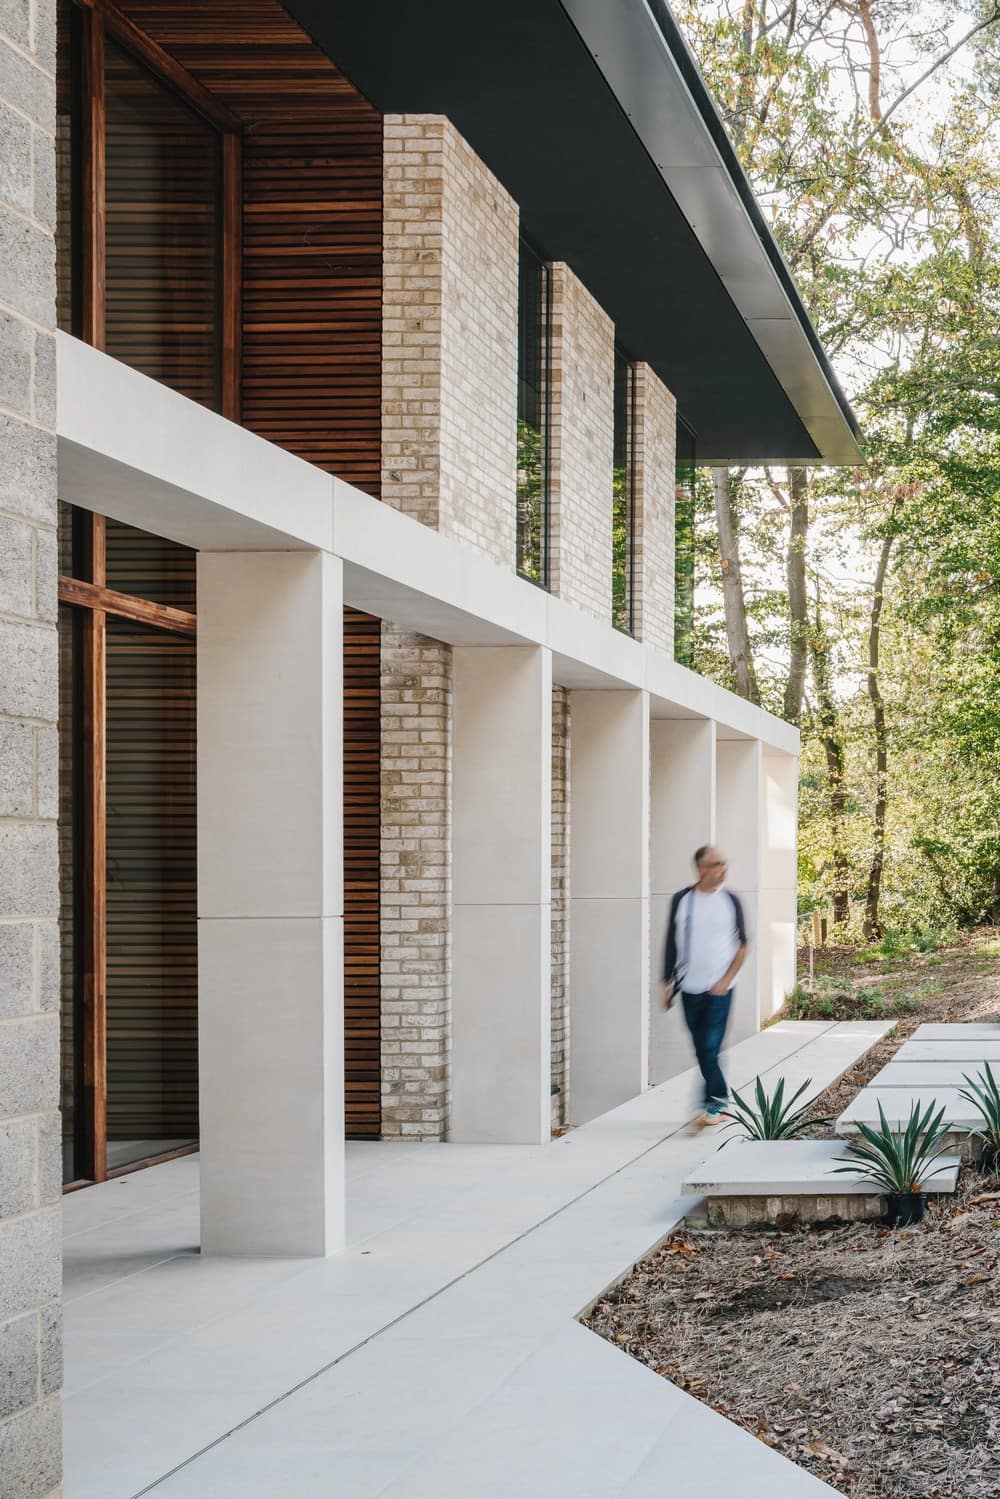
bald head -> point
(710, 862)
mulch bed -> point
(869, 1357)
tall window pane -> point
(533, 417)
(152, 982)
(163, 164)
(684, 547)
(623, 512)
(72, 1101)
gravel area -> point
(869, 1357)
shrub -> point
(983, 1093)
(770, 1117)
(899, 1160)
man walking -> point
(706, 947)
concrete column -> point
(30, 1164)
(778, 879)
(501, 872)
(737, 832)
(609, 900)
(270, 898)
(682, 814)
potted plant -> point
(770, 1117)
(900, 1162)
(984, 1095)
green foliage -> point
(891, 225)
(770, 1116)
(837, 1003)
(530, 503)
(621, 549)
(984, 1095)
(899, 1160)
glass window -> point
(72, 1101)
(162, 193)
(150, 567)
(152, 982)
(533, 371)
(684, 546)
(68, 280)
(623, 512)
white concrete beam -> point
(270, 903)
(609, 900)
(502, 894)
(682, 813)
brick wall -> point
(654, 465)
(30, 1156)
(560, 903)
(449, 372)
(582, 449)
(416, 884)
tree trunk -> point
(797, 602)
(737, 631)
(833, 747)
(872, 925)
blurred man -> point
(705, 950)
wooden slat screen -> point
(312, 226)
(362, 1040)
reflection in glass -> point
(684, 546)
(72, 1101)
(533, 416)
(623, 496)
(163, 168)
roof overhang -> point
(595, 118)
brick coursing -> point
(560, 903)
(30, 1155)
(582, 446)
(449, 337)
(415, 897)
(654, 463)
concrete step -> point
(951, 1050)
(897, 1103)
(788, 1168)
(957, 1031)
(906, 1074)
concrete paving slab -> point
(949, 1050)
(786, 1168)
(907, 1074)
(957, 1031)
(897, 1103)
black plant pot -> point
(906, 1208)
(989, 1157)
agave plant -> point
(899, 1161)
(770, 1118)
(984, 1095)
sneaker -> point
(709, 1119)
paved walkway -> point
(438, 1357)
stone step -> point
(787, 1168)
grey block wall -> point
(30, 1167)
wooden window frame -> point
(101, 19)
(96, 601)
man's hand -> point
(667, 994)
(722, 987)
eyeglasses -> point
(714, 864)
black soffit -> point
(594, 116)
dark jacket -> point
(671, 954)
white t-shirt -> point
(707, 938)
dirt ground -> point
(869, 1357)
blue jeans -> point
(707, 1016)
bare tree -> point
(795, 573)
